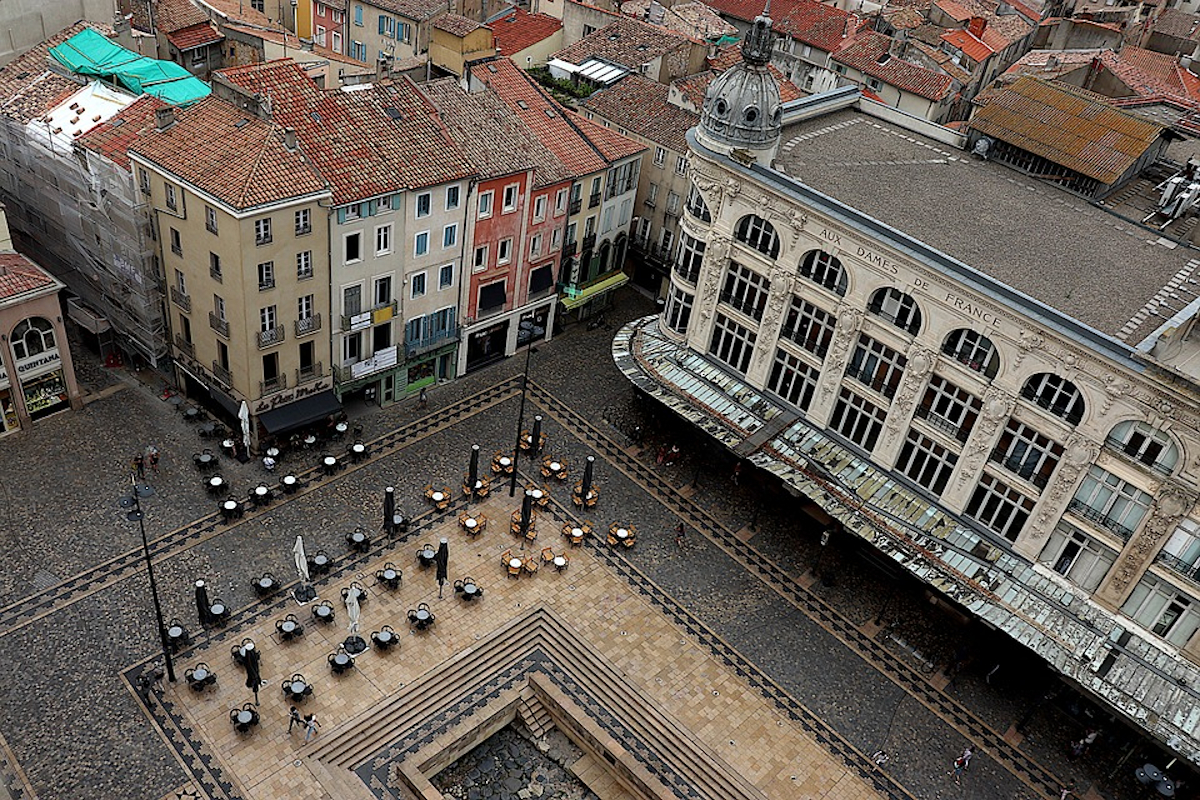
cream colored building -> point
(1014, 433)
(243, 237)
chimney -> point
(289, 138)
(164, 118)
(381, 68)
(1052, 63)
(846, 29)
(975, 26)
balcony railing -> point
(270, 338)
(1100, 518)
(278, 383)
(867, 378)
(310, 373)
(180, 299)
(751, 307)
(569, 249)
(1117, 447)
(594, 200)
(184, 346)
(947, 426)
(1176, 564)
(307, 325)
(219, 325)
(222, 374)
(415, 346)
(1022, 469)
(589, 241)
(347, 317)
(812, 344)
(575, 206)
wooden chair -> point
(531, 565)
(547, 555)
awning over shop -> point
(301, 412)
(226, 402)
(595, 290)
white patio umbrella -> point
(352, 609)
(301, 559)
(244, 416)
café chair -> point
(319, 563)
(221, 618)
(321, 616)
(531, 565)
(287, 636)
(362, 593)
(566, 562)
(507, 558)
(547, 555)
(183, 639)
(236, 650)
(198, 685)
(265, 585)
(302, 696)
(391, 583)
(337, 668)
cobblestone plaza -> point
(845, 669)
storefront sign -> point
(360, 321)
(38, 363)
(282, 399)
(381, 360)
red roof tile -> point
(19, 275)
(194, 36)
(412, 9)
(625, 41)
(220, 149)
(456, 24)
(974, 49)
(639, 105)
(824, 27)
(520, 29)
(114, 137)
(367, 142)
(867, 53)
(28, 87)
(582, 146)
(175, 15)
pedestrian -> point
(672, 455)
(1076, 750)
(737, 472)
(152, 458)
(294, 719)
(880, 757)
(268, 464)
(423, 398)
(679, 529)
(1068, 790)
(662, 454)
(960, 764)
(1090, 738)
(966, 756)
(310, 726)
(139, 466)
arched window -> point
(973, 350)
(32, 336)
(620, 245)
(824, 270)
(897, 308)
(759, 234)
(1057, 395)
(1144, 444)
(604, 253)
(696, 206)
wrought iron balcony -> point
(806, 339)
(222, 374)
(1100, 518)
(751, 307)
(414, 347)
(278, 383)
(219, 325)
(1021, 468)
(308, 325)
(184, 346)
(867, 378)
(575, 206)
(270, 338)
(594, 200)
(180, 299)
(947, 426)
(310, 373)
(1176, 564)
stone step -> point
(338, 782)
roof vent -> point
(550, 112)
(241, 123)
(492, 68)
(289, 138)
(523, 104)
(164, 118)
(884, 57)
(393, 113)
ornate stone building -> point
(1005, 406)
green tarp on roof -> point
(89, 53)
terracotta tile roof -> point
(175, 15)
(28, 88)
(627, 42)
(943, 59)
(1029, 12)
(239, 11)
(1049, 120)
(367, 142)
(1178, 24)
(456, 24)
(116, 136)
(289, 39)
(905, 18)
(412, 9)
(1001, 30)
(514, 32)
(962, 40)
(1147, 73)
(19, 275)
(239, 159)
(824, 27)
(581, 146)
(491, 134)
(867, 53)
(639, 105)
(692, 19)
(194, 36)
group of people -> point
(308, 722)
(140, 461)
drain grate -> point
(44, 580)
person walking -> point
(960, 765)
(737, 473)
(422, 398)
(1068, 790)
(679, 530)
(966, 756)
(139, 466)
(152, 458)
(310, 727)
(294, 718)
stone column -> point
(845, 335)
(1171, 503)
(996, 407)
(768, 329)
(708, 289)
(1078, 454)
(921, 361)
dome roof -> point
(742, 108)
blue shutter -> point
(364, 210)
(450, 318)
(372, 207)
(381, 20)
(341, 216)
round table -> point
(320, 560)
(505, 461)
(470, 589)
(427, 555)
(176, 400)
(330, 461)
(199, 675)
(208, 428)
(515, 563)
(341, 427)
(289, 480)
(389, 574)
(310, 440)
(622, 533)
(216, 482)
(191, 413)
(537, 494)
(358, 537)
(576, 533)
(273, 452)
(204, 459)
(287, 626)
(470, 522)
(245, 717)
(261, 491)
(1152, 772)
(230, 505)
(175, 632)
(559, 561)
(227, 444)
(422, 615)
(217, 610)
(265, 583)
(384, 638)
(555, 466)
(297, 688)
(359, 448)
(437, 497)
(1165, 787)
(324, 612)
(341, 660)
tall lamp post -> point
(525, 326)
(134, 513)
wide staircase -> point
(669, 757)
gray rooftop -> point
(1034, 237)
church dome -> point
(742, 108)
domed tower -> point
(742, 109)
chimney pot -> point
(164, 118)
(289, 138)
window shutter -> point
(341, 216)
(364, 209)
(372, 207)
(450, 318)
(381, 21)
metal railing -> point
(185, 346)
(867, 378)
(1019, 467)
(1100, 518)
(278, 383)
(806, 339)
(307, 325)
(748, 306)
(1118, 448)
(271, 337)
(346, 317)
(180, 299)
(576, 206)
(222, 374)
(310, 373)
(943, 424)
(593, 199)
(219, 325)
(1176, 564)
(414, 346)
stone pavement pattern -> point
(78, 731)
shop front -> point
(486, 345)
(8, 406)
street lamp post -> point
(135, 514)
(524, 326)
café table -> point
(504, 464)
(560, 563)
(426, 555)
(204, 460)
(330, 464)
(358, 450)
(289, 483)
(384, 638)
(297, 689)
(228, 444)
(472, 525)
(514, 566)
(229, 508)
(470, 591)
(310, 440)
(217, 612)
(358, 540)
(389, 577)
(215, 484)
(200, 677)
(261, 494)
(191, 413)
(323, 613)
(340, 662)
(207, 429)
(575, 534)
(341, 428)
(265, 584)
(177, 636)
(437, 497)
(319, 563)
(176, 400)
(289, 628)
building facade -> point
(394, 29)
(1033, 471)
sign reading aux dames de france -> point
(961, 304)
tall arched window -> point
(696, 206)
(824, 270)
(897, 308)
(759, 234)
(32, 336)
(1055, 394)
(1144, 444)
(973, 350)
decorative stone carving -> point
(717, 250)
(1169, 507)
(920, 362)
(1028, 342)
(1078, 454)
(732, 189)
(798, 221)
(849, 320)
(1114, 388)
(709, 189)
(997, 405)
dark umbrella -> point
(442, 559)
(526, 515)
(585, 485)
(536, 437)
(473, 472)
(389, 509)
(202, 604)
(253, 670)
